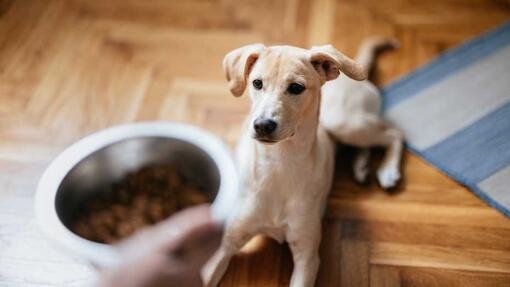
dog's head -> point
(284, 84)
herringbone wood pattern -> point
(68, 68)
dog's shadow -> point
(344, 184)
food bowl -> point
(103, 158)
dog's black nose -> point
(264, 127)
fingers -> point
(170, 234)
(171, 251)
(196, 245)
(185, 220)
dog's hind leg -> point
(387, 135)
(370, 130)
(360, 165)
(388, 172)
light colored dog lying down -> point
(286, 155)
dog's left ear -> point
(237, 65)
(328, 62)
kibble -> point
(141, 198)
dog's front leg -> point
(304, 241)
(236, 235)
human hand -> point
(170, 253)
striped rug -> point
(455, 113)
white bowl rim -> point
(103, 255)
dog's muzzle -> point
(264, 127)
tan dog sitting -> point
(286, 155)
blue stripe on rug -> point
(479, 150)
(446, 64)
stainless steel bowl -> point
(107, 156)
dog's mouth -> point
(266, 140)
(270, 140)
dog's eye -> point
(257, 84)
(295, 89)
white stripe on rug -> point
(457, 101)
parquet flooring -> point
(68, 68)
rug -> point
(455, 113)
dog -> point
(300, 108)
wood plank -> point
(416, 213)
(429, 277)
(320, 29)
(331, 253)
(428, 234)
(393, 276)
(355, 263)
(260, 263)
(434, 256)
(384, 276)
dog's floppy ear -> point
(328, 62)
(237, 65)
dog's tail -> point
(369, 49)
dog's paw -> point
(360, 172)
(388, 177)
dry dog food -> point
(142, 198)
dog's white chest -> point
(285, 185)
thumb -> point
(197, 244)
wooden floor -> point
(68, 68)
